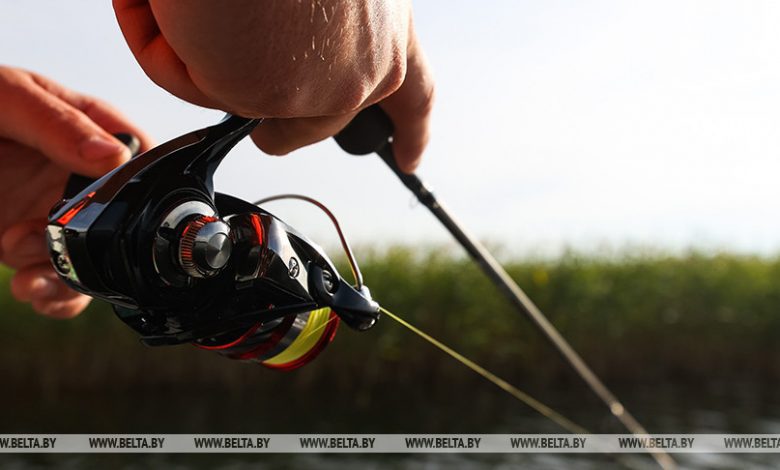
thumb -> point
(37, 118)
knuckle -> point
(62, 115)
(396, 74)
(88, 104)
(365, 87)
(354, 98)
(67, 114)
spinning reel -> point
(180, 263)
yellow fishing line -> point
(498, 381)
(306, 340)
(314, 331)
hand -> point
(310, 66)
(47, 132)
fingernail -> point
(31, 245)
(43, 288)
(99, 148)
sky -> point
(558, 124)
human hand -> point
(47, 132)
(309, 66)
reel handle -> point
(371, 132)
(368, 132)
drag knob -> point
(205, 246)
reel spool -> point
(284, 344)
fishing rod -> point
(371, 132)
(182, 263)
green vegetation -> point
(636, 319)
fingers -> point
(282, 136)
(154, 54)
(24, 244)
(48, 295)
(112, 120)
(24, 248)
(45, 116)
(62, 309)
(410, 110)
(101, 113)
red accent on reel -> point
(258, 226)
(235, 342)
(266, 346)
(68, 216)
(327, 337)
(276, 336)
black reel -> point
(181, 263)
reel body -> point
(181, 263)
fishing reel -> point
(180, 263)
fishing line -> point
(535, 404)
(344, 243)
(523, 397)
(320, 327)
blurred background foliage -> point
(643, 321)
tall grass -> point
(636, 319)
